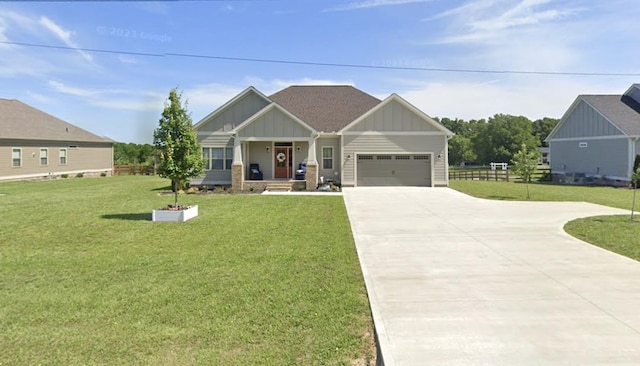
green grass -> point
(615, 233)
(608, 196)
(86, 278)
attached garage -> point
(393, 170)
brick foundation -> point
(237, 176)
(312, 176)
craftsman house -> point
(307, 135)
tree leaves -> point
(179, 151)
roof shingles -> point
(326, 108)
(622, 111)
(20, 121)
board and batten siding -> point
(585, 121)
(333, 173)
(276, 125)
(235, 114)
(82, 157)
(221, 140)
(393, 117)
(394, 144)
(604, 157)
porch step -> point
(278, 186)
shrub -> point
(218, 189)
(64, 176)
(192, 190)
(79, 175)
(103, 174)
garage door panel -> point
(393, 170)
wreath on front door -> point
(281, 157)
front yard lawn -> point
(86, 278)
(607, 196)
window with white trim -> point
(327, 157)
(16, 157)
(63, 156)
(44, 156)
(217, 158)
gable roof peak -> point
(325, 107)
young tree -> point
(525, 163)
(179, 151)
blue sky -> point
(120, 95)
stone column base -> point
(311, 176)
(237, 176)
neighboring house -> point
(34, 144)
(342, 134)
(597, 139)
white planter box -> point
(174, 216)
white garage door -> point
(393, 170)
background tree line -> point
(133, 154)
(480, 142)
(497, 139)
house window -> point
(383, 157)
(327, 157)
(217, 158)
(16, 158)
(365, 157)
(44, 156)
(63, 156)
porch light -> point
(267, 148)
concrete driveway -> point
(455, 280)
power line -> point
(322, 64)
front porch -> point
(267, 164)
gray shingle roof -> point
(23, 122)
(621, 110)
(326, 108)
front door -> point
(282, 161)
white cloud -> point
(533, 97)
(491, 20)
(64, 35)
(356, 5)
(78, 92)
(128, 59)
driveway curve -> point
(456, 280)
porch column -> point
(237, 167)
(311, 176)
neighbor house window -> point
(217, 158)
(63, 156)
(327, 157)
(44, 156)
(16, 158)
(583, 144)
